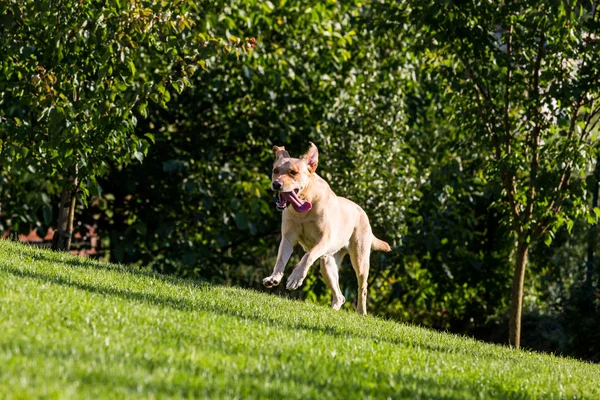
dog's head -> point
(291, 176)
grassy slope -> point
(71, 327)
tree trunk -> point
(516, 301)
(61, 241)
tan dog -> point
(327, 226)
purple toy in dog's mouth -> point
(286, 198)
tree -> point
(522, 78)
(75, 77)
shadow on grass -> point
(78, 262)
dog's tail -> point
(378, 244)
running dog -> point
(326, 226)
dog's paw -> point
(272, 280)
(295, 280)
(337, 303)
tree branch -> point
(507, 178)
(485, 103)
(473, 76)
(535, 139)
(485, 107)
(588, 119)
(597, 120)
(560, 193)
(576, 108)
(507, 129)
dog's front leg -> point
(286, 247)
(299, 273)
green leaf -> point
(131, 66)
(143, 109)
(151, 137)
(570, 224)
(139, 156)
(177, 86)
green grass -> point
(76, 328)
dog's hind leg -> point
(330, 271)
(360, 262)
(360, 253)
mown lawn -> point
(76, 328)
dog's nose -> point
(277, 185)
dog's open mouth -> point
(284, 199)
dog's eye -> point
(292, 173)
(275, 171)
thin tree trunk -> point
(61, 241)
(516, 301)
(70, 219)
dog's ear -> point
(280, 152)
(312, 157)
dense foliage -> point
(529, 71)
(400, 131)
(75, 78)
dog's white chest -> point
(309, 235)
